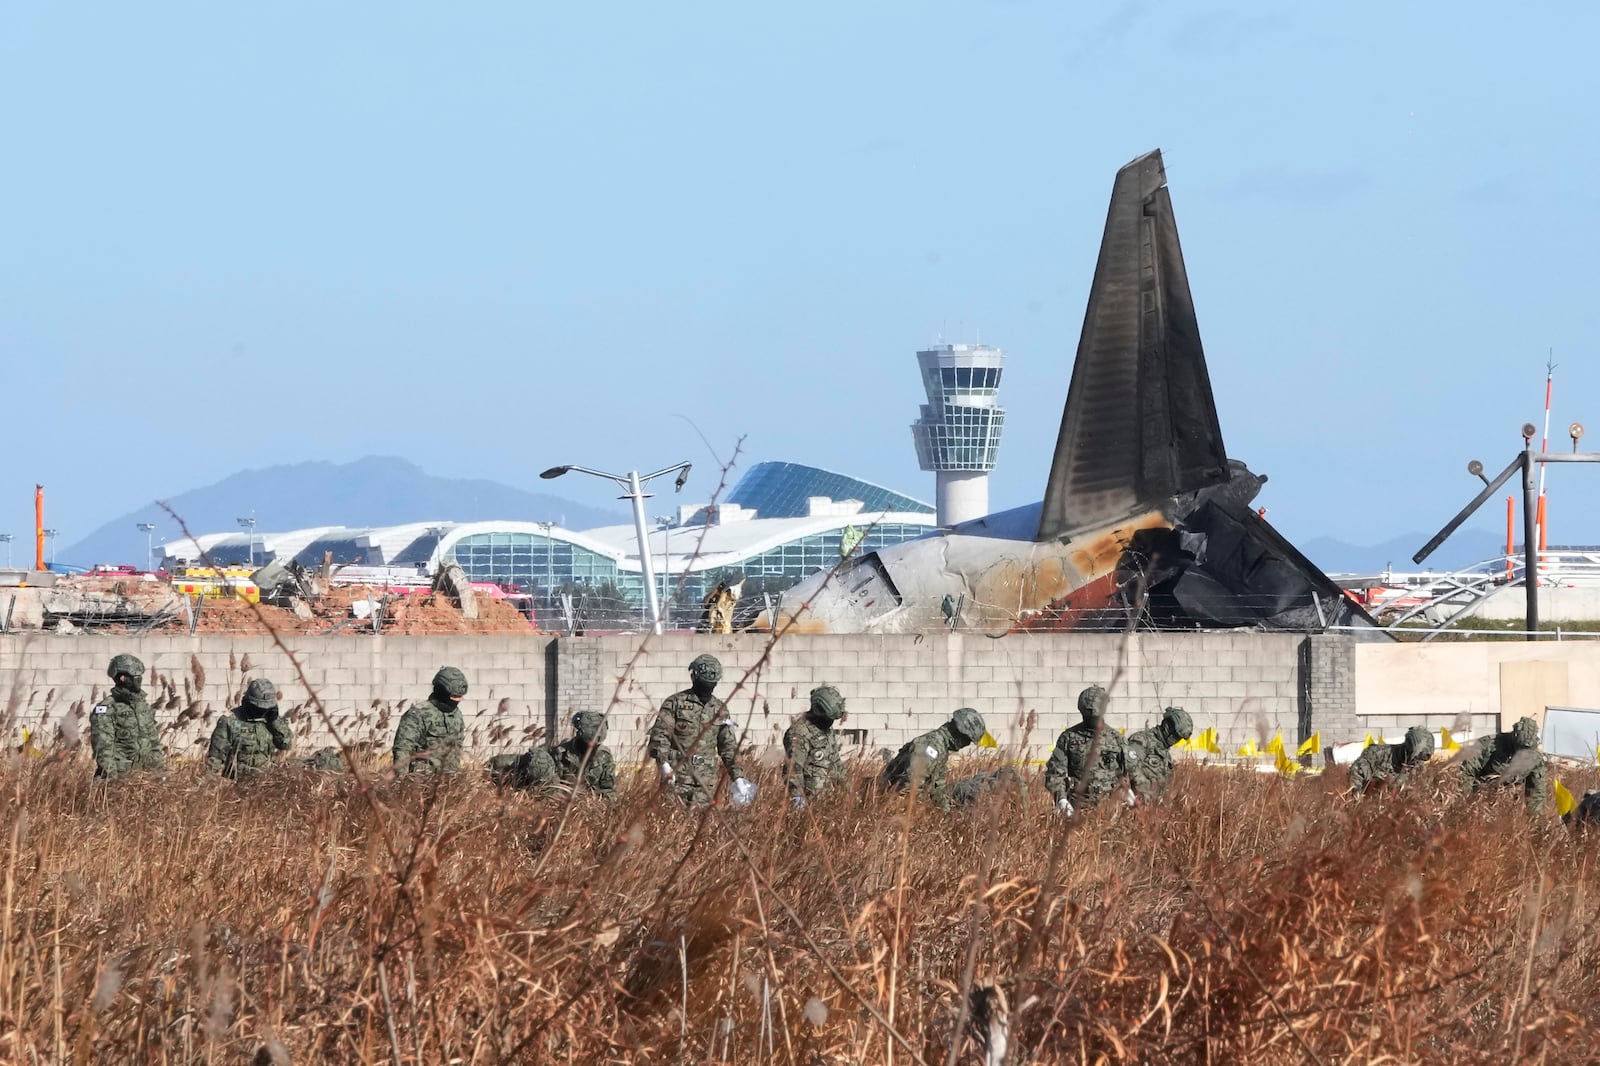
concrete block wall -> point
(897, 686)
(1329, 681)
(363, 682)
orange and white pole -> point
(38, 527)
(1511, 533)
(1544, 447)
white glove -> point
(1064, 805)
(1132, 799)
(666, 770)
(742, 792)
(797, 802)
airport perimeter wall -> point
(526, 687)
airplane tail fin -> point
(1140, 423)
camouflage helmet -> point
(826, 701)
(125, 664)
(1092, 702)
(451, 681)
(261, 694)
(1526, 732)
(1178, 722)
(589, 726)
(969, 724)
(1419, 744)
(705, 668)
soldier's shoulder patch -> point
(99, 708)
(933, 752)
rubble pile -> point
(104, 604)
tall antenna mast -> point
(1544, 446)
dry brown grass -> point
(309, 918)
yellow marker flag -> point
(1286, 766)
(1368, 742)
(1564, 800)
(1182, 745)
(1210, 744)
(1275, 745)
(1250, 748)
(1448, 742)
(988, 741)
(1312, 746)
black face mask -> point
(820, 720)
(129, 682)
(703, 689)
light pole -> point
(148, 528)
(665, 525)
(249, 525)
(50, 535)
(634, 483)
(5, 538)
(549, 564)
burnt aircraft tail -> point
(1140, 424)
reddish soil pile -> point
(414, 615)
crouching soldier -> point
(924, 763)
(1510, 760)
(1381, 764)
(1071, 773)
(580, 759)
(122, 727)
(428, 739)
(811, 748)
(1149, 753)
(247, 737)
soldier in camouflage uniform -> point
(563, 766)
(925, 761)
(1382, 763)
(691, 732)
(811, 748)
(1069, 774)
(428, 739)
(246, 737)
(122, 727)
(970, 790)
(1149, 753)
(1509, 759)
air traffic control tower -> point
(958, 435)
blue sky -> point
(495, 237)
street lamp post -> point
(249, 525)
(148, 528)
(549, 564)
(634, 483)
(5, 538)
(665, 525)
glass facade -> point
(797, 558)
(959, 438)
(780, 490)
(614, 596)
(347, 546)
(534, 562)
(962, 421)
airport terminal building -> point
(780, 523)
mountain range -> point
(375, 491)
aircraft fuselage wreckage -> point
(1145, 520)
